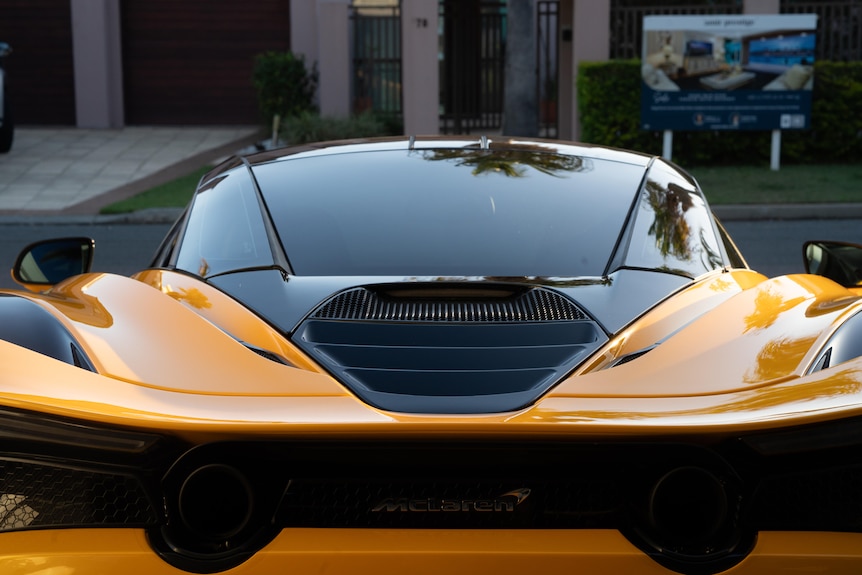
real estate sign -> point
(727, 72)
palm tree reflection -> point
(191, 296)
(779, 358)
(672, 228)
(510, 163)
(768, 307)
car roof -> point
(636, 211)
(442, 142)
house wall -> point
(98, 64)
(318, 29)
(590, 25)
(333, 49)
(420, 79)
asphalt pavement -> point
(69, 174)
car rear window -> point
(448, 212)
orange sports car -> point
(433, 355)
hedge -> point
(609, 108)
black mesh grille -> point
(534, 305)
(34, 494)
(814, 499)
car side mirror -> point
(49, 262)
(839, 261)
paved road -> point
(120, 248)
(774, 247)
(771, 247)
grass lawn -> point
(173, 194)
(790, 184)
(722, 185)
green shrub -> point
(311, 127)
(609, 106)
(285, 87)
(609, 109)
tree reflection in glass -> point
(510, 163)
(674, 213)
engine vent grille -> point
(535, 305)
(448, 349)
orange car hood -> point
(722, 369)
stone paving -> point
(73, 172)
(52, 170)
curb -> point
(181, 168)
(148, 216)
(725, 213)
(753, 212)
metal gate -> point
(376, 54)
(472, 65)
(548, 66)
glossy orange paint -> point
(208, 417)
(155, 341)
(225, 312)
(762, 335)
(418, 552)
(171, 385)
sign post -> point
(728, 72)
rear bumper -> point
(417, 552)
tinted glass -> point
(51, 261)
(673, 228)
(844, 345)
(225, 229)
(449, 212)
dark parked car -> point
(433, 355)
(7, 128)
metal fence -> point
(839, 23)
(627, 20)
(376, 54)
(839, 27)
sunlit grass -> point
(789, 184)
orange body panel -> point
(711, 373)
(420, 552)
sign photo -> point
(727, 72)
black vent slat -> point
(438, 336)
(457, 358)
(534, 305)
(450, 349)
(454, 384)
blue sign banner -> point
(736, 72)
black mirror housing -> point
(839, 261)
(49, 262)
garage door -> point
(40, 69)
(190, 62)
